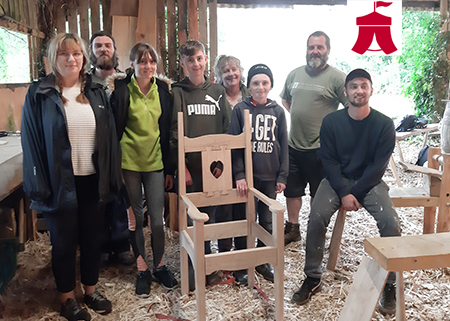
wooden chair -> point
(220, 191)
(427, 196)
(392, 254)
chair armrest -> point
(193, 211)
(274, 205)
(422, 170)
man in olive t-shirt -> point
(310, 93)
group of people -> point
(93, 140)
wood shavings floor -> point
(31, 294)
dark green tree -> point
(424, 67)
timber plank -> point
(83, 7)
(171, 39)
(413, 252)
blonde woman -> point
(70, 163)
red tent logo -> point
(375, 25)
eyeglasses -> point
(66, 55)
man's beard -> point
(104, 62)
(318, 61)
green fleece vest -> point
(140, 143)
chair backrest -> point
(215, 148)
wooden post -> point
(31, 56)
(443, 224)
(95, 16)
(203, 22)
(171, 39)
(61, 19)
(72, 18)
(107, 18)
(192, 19)
(161, 45)
(84, 19)
(212, 35)
(182, 30)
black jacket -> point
(120, 103)
(48, 176)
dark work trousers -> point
(77, 226)
(115, 234)
(197, 186)
(264, 215)
(377, 202)
(228, 213)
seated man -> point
(356, 143)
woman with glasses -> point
(70, 167)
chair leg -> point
(184, 266)
(336, 237)
(429, 219)
(200, 272)
(279, 292)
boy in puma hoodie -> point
(205, 111)
(269, 151)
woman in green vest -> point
(142, 106)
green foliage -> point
(424, 67)
(14, 60)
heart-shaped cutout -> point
(216, 168)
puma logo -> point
(210, 99)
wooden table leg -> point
(365, 291)
(394, 171)
(400, 314)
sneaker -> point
(126, 258)
(291, 233)
(266, 270)
(97, 302)
(72, 311)
(143, 283)
(163, 276)
(388, 301)
(309, 287)
(241, 277)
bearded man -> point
(310, 93)
(115, 234)
(103, 57)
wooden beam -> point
(212, 36)
(128, 8)
(146, 24)
(283, 2)
(84, 19)
(171, 39)
(443, 223)
(72, 18)
(161, 44)
(95, 15)
(10, 24)
(192, 19)
(107, 17)
(203, 23)
(182, 30)
(61, 19)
